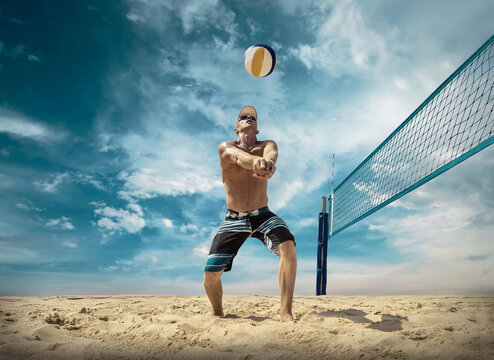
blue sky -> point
(111, 114)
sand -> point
(180, 327)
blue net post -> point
(322, 250)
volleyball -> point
(260, 60)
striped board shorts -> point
(237, 227)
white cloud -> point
(202, 250)
(398, 203)
(345, 43)
(21, 206)
(111, 268)
(114, 220)
(27, 206)
(147, 183)
(311, 221)
(193, 15)
(193, 231)
(373, 227)
(157, 259)
(61, 223)
(414, 277)
(449, 231)
(51, 185)
(89, 179)
(198, 13)
(153, 13)
(70, 243)
(136, 208)
(169, 163)
(167, 222)
(33, 58)
(188, 228)
(20, 126)
(255, 28)
(53, 182)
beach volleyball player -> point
(246, 166)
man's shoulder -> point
(227, 144)
(265, 142)
(269, 142)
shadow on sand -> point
(388, 322)
(251, 317)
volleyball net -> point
(453, 123)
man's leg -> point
(287, 272)
(212, 284)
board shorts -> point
(237, 227)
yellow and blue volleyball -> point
(260, 60)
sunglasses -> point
(247, 117)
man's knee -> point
(211, 277)
(287, 249)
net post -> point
(331, 199)
(322, 244)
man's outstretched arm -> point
(230, 154)
(270, 151)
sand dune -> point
(179, 327)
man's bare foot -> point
(286, 317)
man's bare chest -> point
(256, 150)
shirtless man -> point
(246, 166)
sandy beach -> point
(180, 327)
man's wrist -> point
(254, 160)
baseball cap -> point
(247, 110)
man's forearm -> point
(271, 156)
(245, 159)
(270, 152)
